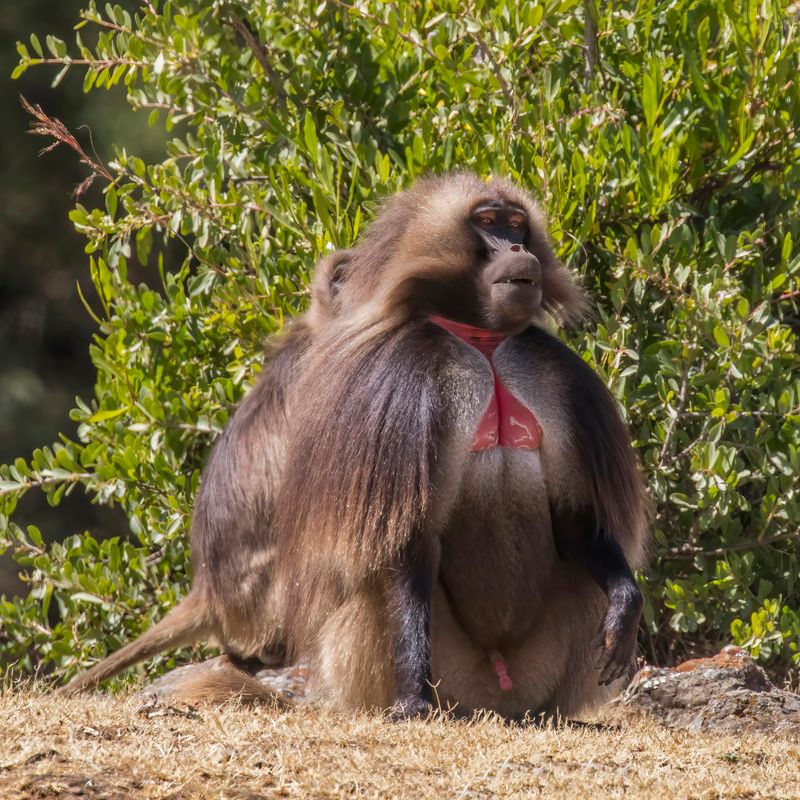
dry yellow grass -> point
(105, 747)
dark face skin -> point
(510, 280)
(500, 224)
(501, 288)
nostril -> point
(515, 248)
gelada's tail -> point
(185, 624)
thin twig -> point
(95, 63)
(689, 447)
(504, 87)
(260, 52)
(38, 483)
(591, 53)
(45, 125)
(380, 23)
(674, 421)
(688, 553)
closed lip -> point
(518, 279)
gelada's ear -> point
(329, 278)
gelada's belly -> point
(498, 550)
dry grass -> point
(105, 747)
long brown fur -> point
(370, 469)
(232, 542)
(346, 477)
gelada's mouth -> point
(521, 280)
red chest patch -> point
(506, 422)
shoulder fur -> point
(618, 493)
(360, 466)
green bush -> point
(665, 151)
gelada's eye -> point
(515, 222)
(487, 220)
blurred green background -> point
(44, 330)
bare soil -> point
(102, 746)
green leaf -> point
(721, 337)
(649, 100)
(57, 47)
(112, 413)
(310, 135)
(111, 201)
(786, 247)
(87, 597)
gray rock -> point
(728, 692)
